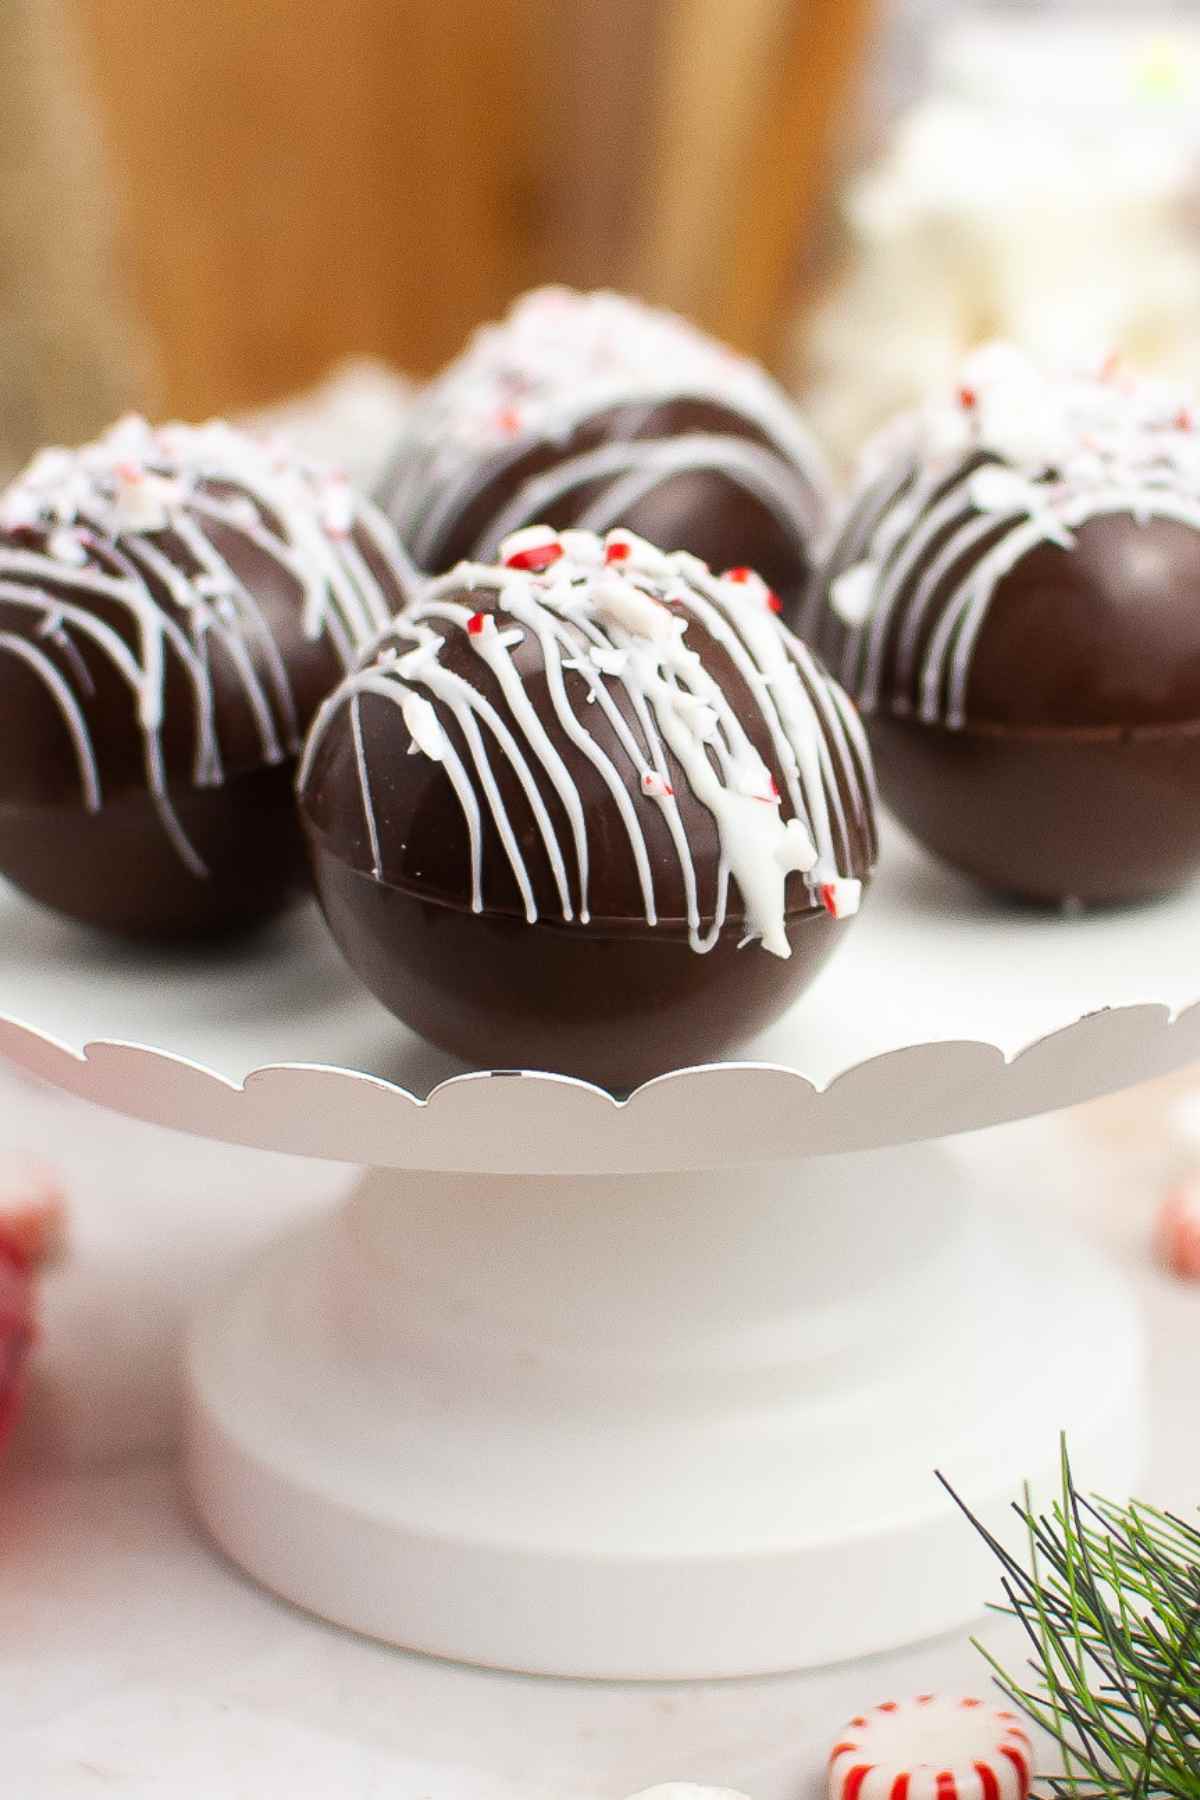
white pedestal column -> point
(653, 1426)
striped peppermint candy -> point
(1179, 1229)
(31, 1213)
(935, 1747)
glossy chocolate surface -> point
(1025, 646)
(1101, 818)
(607, 993)
(168, 626)
(613, 1009)
(117, 871)
(739, 484)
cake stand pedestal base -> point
(654, 1425)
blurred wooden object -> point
(307, 181)
(304, 183)
(69, 353)
(754, 100)
(601, 129)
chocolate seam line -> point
(598, 925)
(126, 525)
(1053, 734)
(615, 612)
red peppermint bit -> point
(130, 471)
(477, 623)
(654, 784)
(508, 420)
(774, 603)
(617, 551)
(968, 399)
(828, 895)
(536, 558)
(1184, 421)
(738, 575)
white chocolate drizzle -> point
(954, 498)
(615, 612)
(113, 548)
(559, 359)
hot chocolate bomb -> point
(1014, 602)
(594, 410)
(591, 810)
(174, 604)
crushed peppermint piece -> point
(841, 898)
(637, 612)
(654, 785)
(756, 586)
(66, 546)
(532, 549)
(143, 502)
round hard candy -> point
(935, 1747)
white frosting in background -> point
(1060, 447)
(104, 511)
(615, 612)
(560, 357)
(1046, 189)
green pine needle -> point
(1110, 1603)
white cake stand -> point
(653, 1388)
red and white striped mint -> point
(30, 1232)
(1179, 1229)
(935, 1747)
(32, 1207)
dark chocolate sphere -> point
(593, 410)
(174, 605)
(591, 810)
(1014, 602)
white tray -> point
(945, 1011)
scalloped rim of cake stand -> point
(714, 1116)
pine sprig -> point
(1109, 1600)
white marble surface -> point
(134, 1662)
